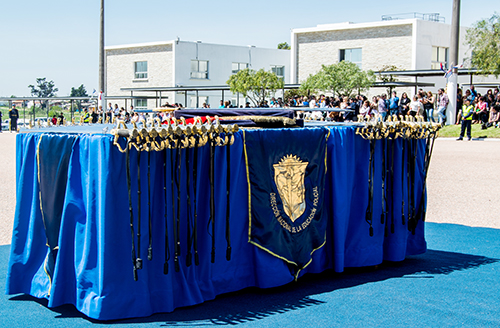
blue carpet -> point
(456, 283)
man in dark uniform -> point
(13, 115)
(0, 121)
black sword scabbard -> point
(188, 214)
(150, 224)
(131, 210)
(212, 194)
(195, 181)
(228, 187)
(167, 249)
(138, 261)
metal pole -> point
(185, 98)
(101, 51)
(454, 45)
(197, 100)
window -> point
(141, 104)
(201, 100)
(439, 56)
(351, 55)
(199, 69)
(279, 71)
(236, 67)
(141, 70)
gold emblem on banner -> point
(289, 176)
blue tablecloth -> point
(93, 270)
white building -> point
(183, 64)
(408, 44)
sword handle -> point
(138, 263)
(150, 253)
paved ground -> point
(7, 185)
(463, 183)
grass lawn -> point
(453, 131)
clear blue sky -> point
(59, 39)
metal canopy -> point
(398, 84)
(432, 72)
(195, 88)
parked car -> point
(5, 124)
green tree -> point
(78, 92)
(43, 89)
(292, 93)
(388, 78)
(256, 85)
(284, 45)
(484, 40)
(344, 79)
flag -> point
(448, 73)
(286, 171)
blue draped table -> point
(93, 270)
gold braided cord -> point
(407, 127)
(152, 136)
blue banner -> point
(286, 171)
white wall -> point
(120, 69)
(169, 65)
(220, 59)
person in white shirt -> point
(416, 107)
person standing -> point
(429, 106)
(416, 107)
(394, 104)
(466, 113)
(382, 108)
(13, 115)
(0, 121)
(443, 101)
(405, 104)
(460, 103)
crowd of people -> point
(470, 105)
(432, 107)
